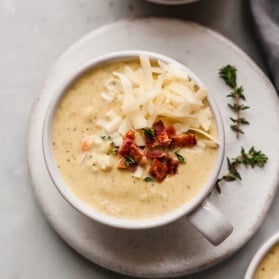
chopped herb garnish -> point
(228, 74)
(149, 133)
(106, 137)
(251, 159)
(129, 161)
(148, 179)
(114, 149)
(180, 158)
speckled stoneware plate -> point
(175, 249)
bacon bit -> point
(161, 134)
(164, 139)
(125, 148)
(156, 150)
(137, 154)
(130, 149)
(183, 140)
(149, 142)
(158, 127)
(87, 143)
(128, 141)
(143, 161)
(158, 170)
(156, 154)
(122, 165)
(130, 135)
(172, 165)
(171, 131)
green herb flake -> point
(106, 137)
(148, 179)
(180, 158)
(114, 149)
(129, 161)
(149, 133)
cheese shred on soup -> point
(135, 139)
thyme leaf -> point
(180, 158)
(228, 74)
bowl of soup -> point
(133, 140)
(265, 264)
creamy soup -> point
(87, 159)
(269, 266)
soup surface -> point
(91, 171)
(269, 266)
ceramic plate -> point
(175, 249)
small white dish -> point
(264, 249)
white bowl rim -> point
(263, 250)
(93, 213)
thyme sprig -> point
(252, 158)
(228, 74)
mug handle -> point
(211, 223)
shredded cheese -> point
(164, 90)
(212, 139)
(139, 172)
(154, 89)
